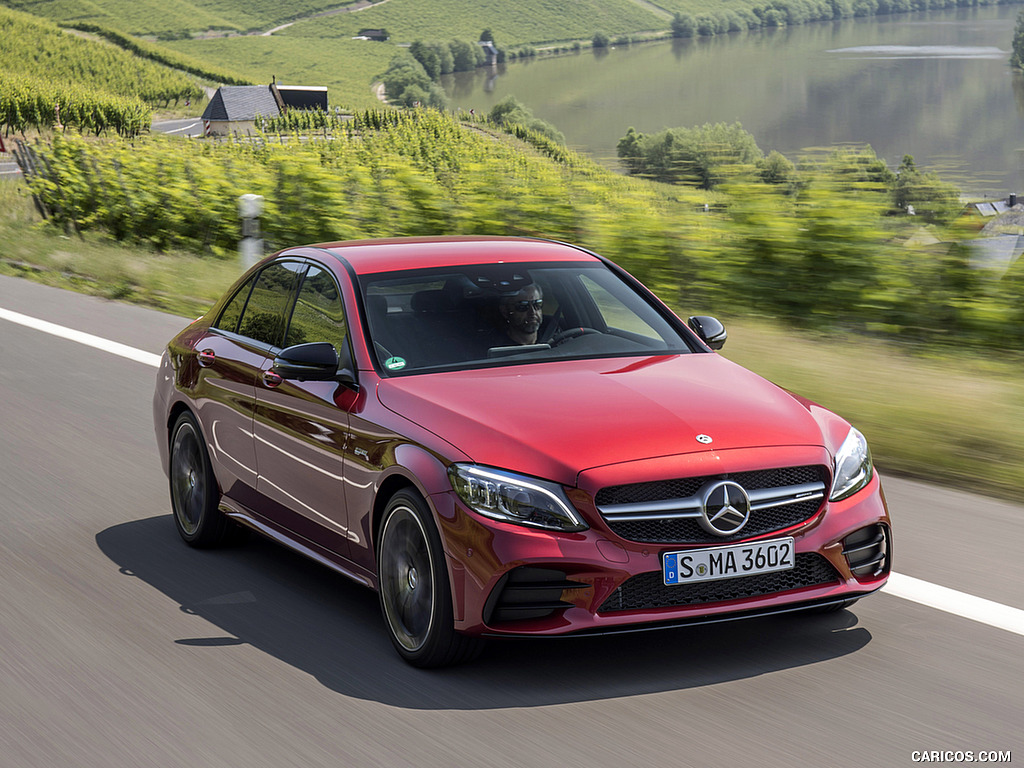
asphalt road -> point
(119, 646)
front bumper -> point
(508, 580)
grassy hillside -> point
(36, 48)
(524, 21)
(346, 67)
(171, 17)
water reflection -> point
(933, 85)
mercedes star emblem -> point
(726, 508)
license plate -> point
(727, 562)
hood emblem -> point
(706, 439)
(725, 508)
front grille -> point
(528, 593)
(648, 590)
(668, 511)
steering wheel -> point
(571, 333)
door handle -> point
(271, 379)
(207, 358)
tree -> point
(600, 40)
(487, 36)
(1017, 59)
(932, 198)
(684, 25)
(510, 111)
(701, 156)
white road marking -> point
(958, 603)
(906, 587)
(187, 127)
(113, 347)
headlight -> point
(853, 468)
(514, 498)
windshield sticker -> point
(394, 363)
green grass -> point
(952, 419)
(345, 67)
(524, 21)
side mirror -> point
(710, 330)
(308, 362)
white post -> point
(250, 247)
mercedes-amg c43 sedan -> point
(509, 437)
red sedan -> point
(509, 437)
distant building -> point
(380, 35)
(234, 108)
(490, 51)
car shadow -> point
(304, 614)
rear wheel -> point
(194, 494)
(415, 595)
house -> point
(380, 35)
(234, 108)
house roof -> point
(996, 253)
(241, 102)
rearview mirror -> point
(317, 361)
(710, 330)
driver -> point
(519, 317)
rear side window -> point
(232, 311)
(264, 316)
(319, 314)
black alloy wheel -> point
(194, 494)
(415, 595)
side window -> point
(232, 311)
(319, 314)
(264, 317)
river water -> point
(934, 85)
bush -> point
(600, 40)
(697, 156)
(684, 25)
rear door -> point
(231, 357)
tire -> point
(415, 596)
(194, 494)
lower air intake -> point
(648, 590)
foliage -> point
(776, 168)
(407, 83)
(600, 40)
(515, 24)
(444, 58)
(161, 55)
(31, 46)
(699, 156)
(930, 197)
(683, 25)
(31, 103)
(821, 249)
(510, 111)
(1017, 59)
(167, 19)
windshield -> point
(499, 314)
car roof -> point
(400, 253)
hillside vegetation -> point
(175, 18)
(37, 48)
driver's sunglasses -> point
(522, 306)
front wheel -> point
(415, 596)
(194, 495)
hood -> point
(554, 420)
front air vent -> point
(867, 551)
(528, 593)
(648, 590)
